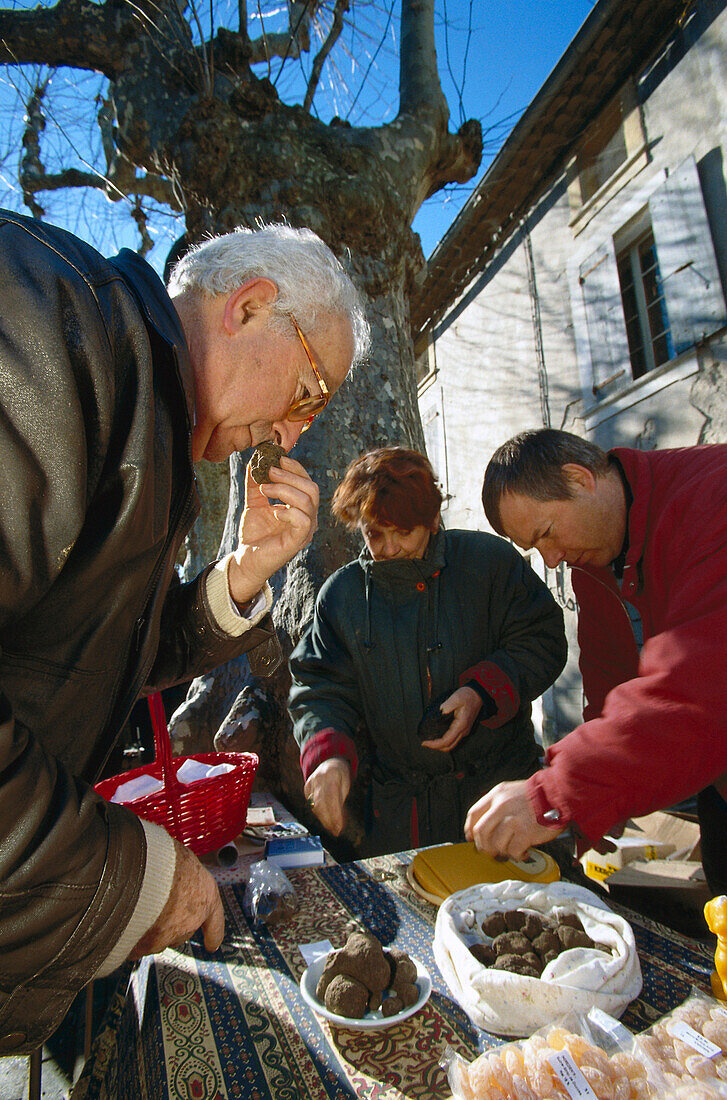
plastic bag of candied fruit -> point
(592, 1057)
(688, 1048)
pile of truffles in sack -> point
(519, 955)
(362, 976)
(524, 942)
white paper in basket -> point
(577, 980)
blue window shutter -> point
(690, 277)
(605, 319)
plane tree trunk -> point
(190, 123)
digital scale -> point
(435, 873)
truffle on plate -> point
(346, 996)
(362, 968)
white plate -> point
(371, 1020)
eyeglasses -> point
(307, 408)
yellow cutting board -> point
(439, 872)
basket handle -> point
(162, 740)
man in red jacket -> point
(645, 535)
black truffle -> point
(403, 968)
(516, 964)
(392, 1005)
(362, 969)
(573, 937)
(515, 919)
(547, 941)
(484, 953)
(511, 943)
(533, 926)
(494, 924)
(264, 456)
(570, 920)
(346, 996)
(433, 723)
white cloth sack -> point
(577, 980)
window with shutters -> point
(611, 152)
(642, 297)
(425, 364)
(651, 290)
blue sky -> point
(493, 57)
(514, 46)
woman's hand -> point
(465, 704)
(326, 790)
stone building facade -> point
(583, 284)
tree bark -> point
(233, 154)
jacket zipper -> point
(183, 511)
(610, 590)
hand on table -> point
(271, 534)
(503, 822)
(465, 704)
(326, 790)
(194, 902)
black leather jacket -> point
(97, 492)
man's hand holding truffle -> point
(271, 534)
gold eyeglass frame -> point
(301, 409)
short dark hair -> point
(531, 463)
(390, 485)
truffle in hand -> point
(433, 723)
(264, 456)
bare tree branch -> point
(76, 33)
(420, 91)
(341, 8)
(119, 181)
(291, 43)
(139, 215)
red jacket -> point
(655, 729)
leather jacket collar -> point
(160, 315)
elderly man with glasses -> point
(110, 388)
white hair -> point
(311, 282)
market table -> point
(233, 1024)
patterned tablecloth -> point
(233, 1024)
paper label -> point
(313, 951)
(571, 1077)
(260, 815)
(598, 870)
(693, 1039)
(610, 1026)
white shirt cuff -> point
(155, 890)
(226, 613)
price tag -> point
(313, 951)
(571, 1077)
(693, 1039)
(610, 1026)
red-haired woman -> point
(424, 614)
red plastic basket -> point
(203, 815)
